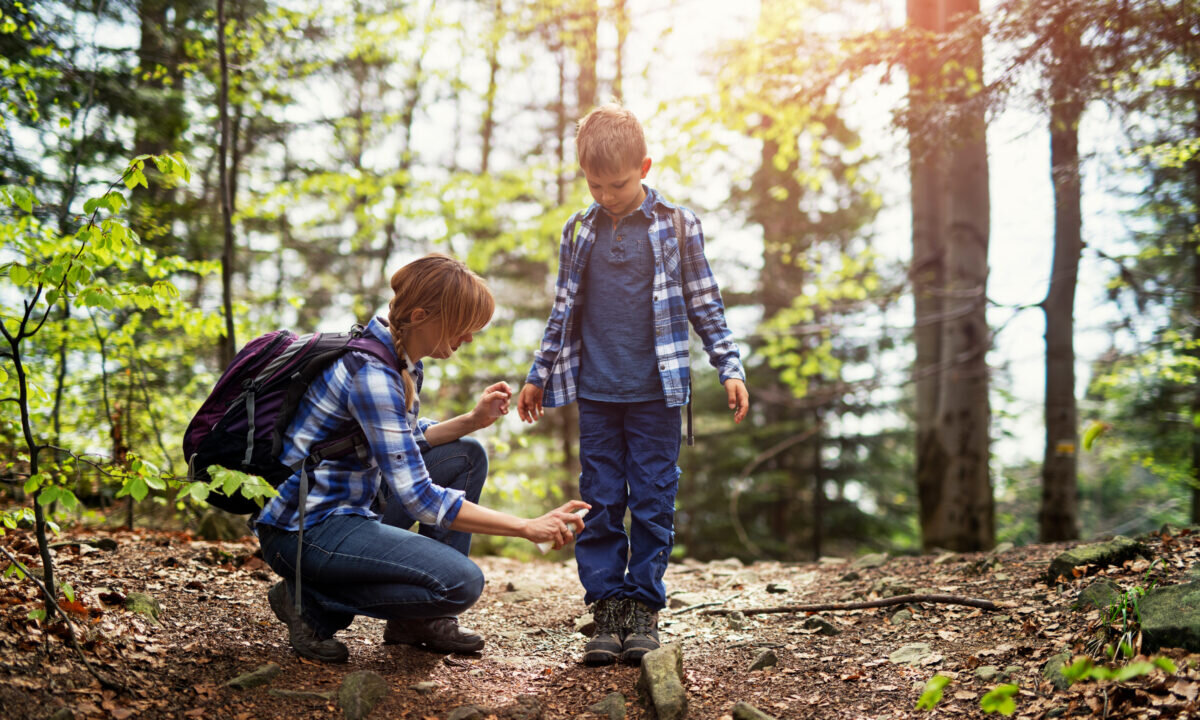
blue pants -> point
(352, 565)
(628, 453)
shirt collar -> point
(653, 199)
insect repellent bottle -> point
(545, 546)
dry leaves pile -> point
(215, 624)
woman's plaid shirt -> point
(684, 291)
(359, 388)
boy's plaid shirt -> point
(684, 290)
(362, 390)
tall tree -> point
(951, 216)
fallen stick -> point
(897, 600)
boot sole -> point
(597, 658)
(338, 656)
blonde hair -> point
(610, 140)
(448, 292)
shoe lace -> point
(642, 621)
(610, 615)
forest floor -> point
(216, 624)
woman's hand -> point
(493, 404)
(557, 526)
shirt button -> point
(619, 238)
(662, 367)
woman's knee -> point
(466, 587)
(477, 460)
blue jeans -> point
(353, 565)
(628, 453)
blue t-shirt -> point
(618, 363)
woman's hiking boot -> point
(641, 633)
(605, 646)
(305, 641)
(440, 634)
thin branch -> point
(898, 600)
(110, 684)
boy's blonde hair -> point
(448, 292)
(610, 140)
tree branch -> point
(898, 600)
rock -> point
(1012, 670)
(821, 625)
(301, 694)
(63, 713)
(831, 561)
(871, 560)
(736, 620)
(732, 562)
(901, 617)
(612, 706)
(850, 576)
(1113, 552)
(255, 678)
(766, 658)
(585, 624)
(1171, 617)
(1101, 594)
(525, 707)
(424, 688)
(217, 526)
(360, 692)
(746, 711)
(891, 587)
(911, 654)
(468, 712)
(944, 558)
(660, 685)
(143, 604)
(1002, 548)
(1053, 668)
(779, 588)
(987, 673)
(683, 600)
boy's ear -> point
(646, 162)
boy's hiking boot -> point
(305, 641)
(440, 634)
(642, 633)
(605, 646)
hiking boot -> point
(605, 646)
(642, 633)
(440, 634)
(305, 641)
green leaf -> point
(68, 591)
(1000, 699)
(933, 692)
(47, 495)
(137, 488)
(1132, 670)
(1094, 430)
(18, 274)
(1077, 670)
(39, 614)
(23, 198)
(1165, 664)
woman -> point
(355, 562)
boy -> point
(617, 340)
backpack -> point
(241, 424)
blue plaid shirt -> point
(359, 389)
(684, 290)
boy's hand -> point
(739, 398)
(529, 404)
(492, 404)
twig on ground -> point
(697, 606)
(109, 684)
(898, 600)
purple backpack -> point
(241, 424)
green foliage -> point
(932, 695)
(1085, 669)
(1000, 699)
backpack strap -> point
(680, 237)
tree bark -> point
(950, 240)
(1058, 518)
(229, 341)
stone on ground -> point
(821, 625)
(661, 683)
(469, 712)
(612, 707)
(255, 678)
(1053, 670)
(871, 560)
(911, 654)
(1171, 617)
(1099, 595)
(767, 658)
(1104, 554)
(746, 711)
(361, 691)
(143, 604)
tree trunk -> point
(229, 341)
(1059, 515)
(951, 216)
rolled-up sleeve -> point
(377, 404)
